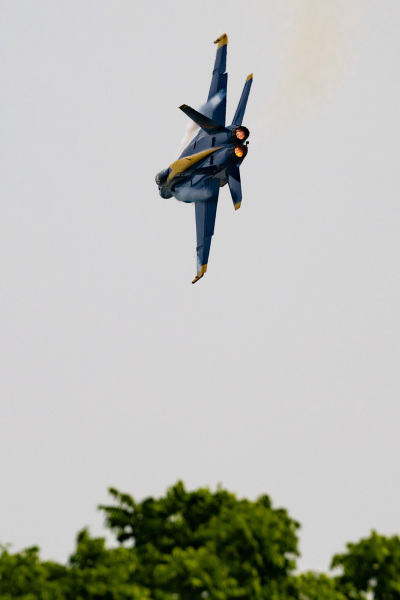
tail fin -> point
(235, 186)
(208, 125)
(239, 114)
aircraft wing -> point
(216, 101)
(206, 211)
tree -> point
(24, 577)
(196, 546)
(98, 573)
(371, 566)
(200, 544)
(93, 573)
(317, 586)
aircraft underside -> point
(211, 159)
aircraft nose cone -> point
(162, 177)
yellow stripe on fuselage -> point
(182, 164)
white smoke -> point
(315, 52)
(191, 128)
(214, 101)
(191, 194)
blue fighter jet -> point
(211, 159)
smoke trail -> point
(315, 57)
(192, 128)
(190, 132)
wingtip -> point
(183, 106)
(200, 274)
(238, 205)
(249, 77)
(222, 40)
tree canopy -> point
(199, 545)
(371, 567)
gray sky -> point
(279, 371)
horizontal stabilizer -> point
(202, 121)
(235, 186)
(239, 114)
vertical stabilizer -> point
(239, 114)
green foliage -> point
(195, 573)
(94, 573)
(371, 566)
(24, 577)
(200, 544)
(99, 574)
(196, 546)
(317, 586)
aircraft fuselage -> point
(205, 157)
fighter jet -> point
(212, 158)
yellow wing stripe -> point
(200, 273)
(182, 164)
(222, 40)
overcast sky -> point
(279, 371)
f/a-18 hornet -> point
(211, 159)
